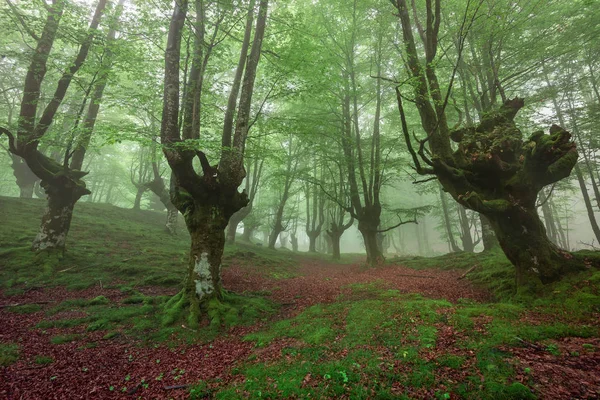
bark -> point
(63, 186)
(549, 219)
(561, 232)
(368, 228)
(447, 223)
(335, 232)
(203, 278)
(56, 221)
(235, 221)
(494, 171)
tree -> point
(62, 183)
(208, 199)
(494, 171)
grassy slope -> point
(356, 347)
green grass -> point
(9, 353)
(360, 348)
(43, 360)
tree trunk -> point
(526, 245)
(235, 220)
(549, 219)
(561, 232)
(447, 223)
(248, 233)
(56, 220)
(294, 241)
(232, 229)
(206, 225)
(171, 225)
(312, 241)
(138, 197)
(335, 243)
(374, 256)
(466, 238)
(588, 203)
(488, 237)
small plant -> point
(43, 360)
(159, 377)
(553, 349)
(344, 376)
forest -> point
(280, 199)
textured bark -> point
(63, 186)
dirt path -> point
(323, 282)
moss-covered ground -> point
(290, 326)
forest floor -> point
(297, 326)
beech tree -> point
(207, 198)
(61, 182)
(494, 170)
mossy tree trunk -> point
(522, 237)
(56, 220)
(206, 224)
